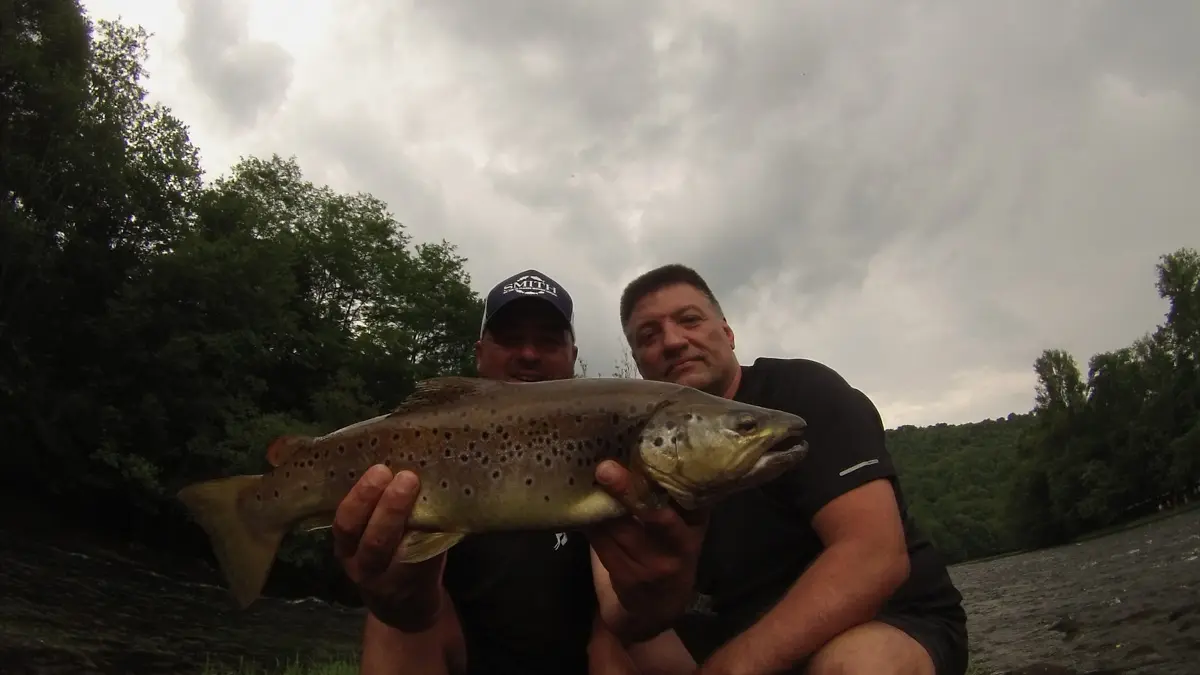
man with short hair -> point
(823, 570)
(512, 602)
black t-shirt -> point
(759, 541)
(525, 600)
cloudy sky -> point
(921, 194)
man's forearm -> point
(844, 587)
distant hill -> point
(957, 477)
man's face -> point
(677, 335)
(527, 341)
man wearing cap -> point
(519, 602)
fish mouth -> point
(780, 456)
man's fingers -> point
(619, 482)
(387, 523)
(354, 511)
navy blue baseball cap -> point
(528, 284)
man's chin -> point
(690, 376)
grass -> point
(332, 666)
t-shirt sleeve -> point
(846, 440)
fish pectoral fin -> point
(439, 391)
(245, 554)
(283, 447)
(321, 521)
(417, 546)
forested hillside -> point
(957, 479)
(158, 327)
(1096, 450)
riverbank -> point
(1127, 602)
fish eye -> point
(746, 424)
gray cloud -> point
(246, 79)
(923, 194)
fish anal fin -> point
(244, 553)
(282, 448)
(418, 546)
(445, 390)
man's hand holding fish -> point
(367, 530)
(645, 563)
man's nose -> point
(528, 351)
(674, 337)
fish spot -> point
(417, 433)
(549, 462)
(467, 490)
(350, 474)
(445, 483)
(341, 449)
(570, 480)
(471, 445)
(422, 463)
(332, 473)
(496, 474)
(395, 437)
(374, 441)
(258, 496)
(484, 435)
(546, 498)
(425, 498)
(464, 458)
(388, 462)
(277, 494)
(448, 435)
(538, 457)
(304, 486)
(658, 441)
(359, 443)
(528, 481)
(448, 453)
(287, 474)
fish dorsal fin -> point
(439, 391)
(285, 446)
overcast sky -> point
(922, 195)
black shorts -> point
(943, 634)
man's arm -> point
(843, 489)
(437, 650)
(864, 562)
(663, 654)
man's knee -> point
(871, 648)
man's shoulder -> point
(795, 372)
(807, 387)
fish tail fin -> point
(244, 553)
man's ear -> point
(728, 334)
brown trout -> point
(494, 456)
